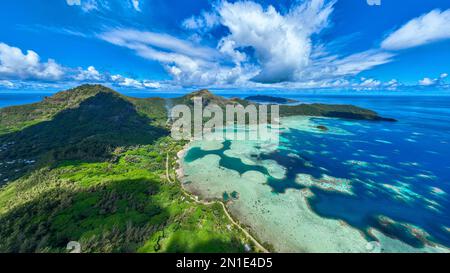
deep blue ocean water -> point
(411, 155)
(11, 99)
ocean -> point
(410, 158)
(12, 99)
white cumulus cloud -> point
(122, 81)
(204, 22)
(427, 82)
(90, 74)
(14, 64)
(282, 42)
(25, 70)
(439, 81)
(105, 5)
(186, 62)
(428, 28)
(151, 84)
(370, 83)
(73, 2)
(7, 84)
(88, 5)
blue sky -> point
(179, 44)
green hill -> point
(89, 128)
(18, 117)
(318, 110)
(208, 98)
(332, 111)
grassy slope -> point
(116, 201)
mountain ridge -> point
(18, 117)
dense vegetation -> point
(89, 132)
(122, 206)
(332, 111)
(17, 117)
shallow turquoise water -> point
(398, 170)
(412, 167)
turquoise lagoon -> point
(358, 185)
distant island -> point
(270, 99)
(316, 109)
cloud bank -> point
(19, 69)
(263, 46)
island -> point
(94, 166)
(270, 99)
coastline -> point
(180, 175)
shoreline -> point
(180, 175)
